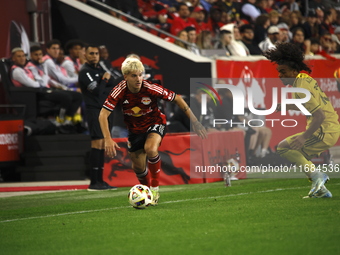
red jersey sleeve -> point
(115, 96)
(159, 91)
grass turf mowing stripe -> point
(166, 202)
(43, 188)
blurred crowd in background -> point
(237, 28)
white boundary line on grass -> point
(166, 202)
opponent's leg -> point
(296, 157)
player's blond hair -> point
(132, 64)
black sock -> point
(101, 165)
(95, 164)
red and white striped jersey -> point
(140, 109)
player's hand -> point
(110, 148)
(200, 130)
(106, 76)
(298, 142)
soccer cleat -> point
(107, 186)
(322, 193)
(100, 186)
(155, 195)
(318, 180)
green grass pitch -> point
(253, 216)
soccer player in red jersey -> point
(145, 122)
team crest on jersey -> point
(146, 100)
(137, 112)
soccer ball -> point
(140, 196)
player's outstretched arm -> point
(110, 145)
(198, 128)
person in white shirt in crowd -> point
(72, 62)
(251, 9)
(273, 36)
(53, 70)
(192, 37)
(285, 33)
(236, 48)
(33, 75)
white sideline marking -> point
(166, 202)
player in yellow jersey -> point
(322, 130)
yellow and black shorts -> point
(316, 144)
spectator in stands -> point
(225, 18)
(290, 5)
(192, 3)
(317, 4)
(260, 29)
(274, 17)
(317, 49)
(330, 17)
(336, 39)
(285, 34)
(326, 43)
(236, 47)
(183, 35)
(320, 15)
(272, 38)
(72, 62)
(271, 6)
(110, 3)
(237, 35)
(95, 84)
(192, 37)
(215, 16)
(32, 75)
(231, 7)
(129, 7)
(296, 19)
(183, 20)
(251, 9)
(311, 27)
(200, 15)
(150, 10)
(53, 70)
(204, 40)
(105, 63)
(247, 34)
(315, 46)
(285, 16)
(224, 42)
(299, 40)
